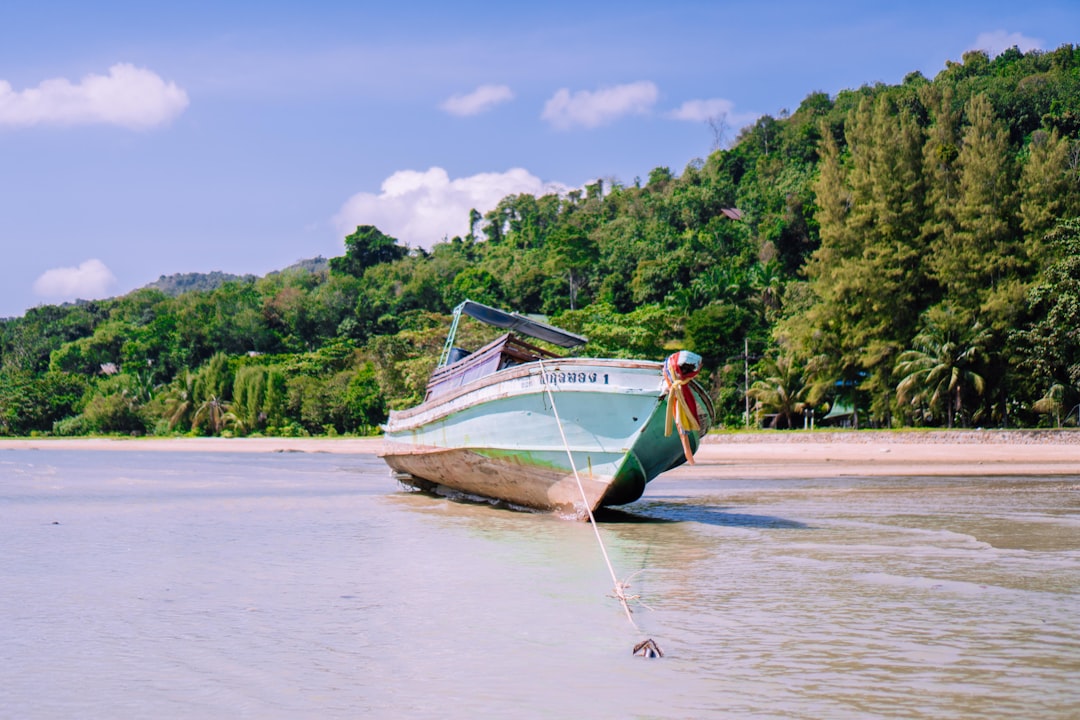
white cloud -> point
(592, 109)
(479, 100)
(712, 109)
(128, 96)
(89, 281)
(998, 41)
(423, 208)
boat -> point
(518, 423)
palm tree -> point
(943, 368)
(217, 413)
(721, 282)
(1052, 403)
(179, 400)
(767, 281)
(781, 393)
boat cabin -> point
(465, 367)
(458, 366)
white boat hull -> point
(511, 435)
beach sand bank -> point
(788, 454)
(876, 453)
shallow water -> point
(188, 585)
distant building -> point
(841, 415)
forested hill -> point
(180, 283)
(910, 251)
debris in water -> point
(648, 649)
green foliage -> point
(1049, 345)
(943, 372)
(365, 248)
(88, 355)
(864, 220)
(363, 407)
(403, 363)
(250, 397)
(114, 408)
(475, 283)
(180, 283)
(276, 392)
(34, 402)
(716, 332)
(176, 405)
(26, 343)
(214, 379)
(642, 333)
(780, 393)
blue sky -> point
(139, 140)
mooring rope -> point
(620, 588)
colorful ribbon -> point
(681, 406)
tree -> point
(276, 399)
(638, 334)
(1052, 403)
(114, 407)
(214, 414)
(214, 379)
(1049, 188)
(570, 255)
(26, 343)
(364, 248)
(716, 332)
(943, 370)
(88, 354)
(867, 276)
(178, 400)
(1050, 344)
(781, 393)
(364, 407)
(940, 169)
(249, 397)
(980, 253)
(35, 403)
(212, 396)
(474, 283)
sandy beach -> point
(869, 454)
(789, 454)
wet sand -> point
(786, 454)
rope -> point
(620, 588)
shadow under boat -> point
(653, 511)
(690, 512)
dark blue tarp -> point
(520, 323)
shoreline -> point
(818, 453)
(349, 445)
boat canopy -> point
(510, 321)
(520, 323)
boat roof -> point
(521, 324)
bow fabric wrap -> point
(682, 412)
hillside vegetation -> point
(909, 251)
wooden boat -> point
(514, 422)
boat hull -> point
(511, 436)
